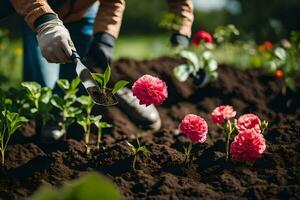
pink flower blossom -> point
(194, 127)
(202, 36)
(150, 90)
(247, 146)
(222, 113)
(248, 121)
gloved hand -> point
(100, 52)
(179, 40)
(54, 41)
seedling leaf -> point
(120, 84)
(106, 75)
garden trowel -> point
(90, 84)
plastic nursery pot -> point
(201, 78)
(104, 97)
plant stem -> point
(2, 157)
(99, 137)
(87, 139)
(228, 132)
(134, 161)
(187, 152)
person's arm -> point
(106, 30)
(184, 9)
(53, 38)
(31, 10)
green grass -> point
(141, 47)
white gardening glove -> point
(55, 41)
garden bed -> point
(161, 174)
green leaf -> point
(182, 72)
(120, 84)
(132, 148)
(99, 78)
(15, 121)
(63, 84)
(85, 100)
(290, 83)
(191, 57)
(75, 83)
(32, 87)
(105, 125)
(92, 186)
(106, 76)
(143, 149)
(58, 102)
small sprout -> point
(100, 125)
(108, 97)
(264, 125)
(135, 151)
(9, 123)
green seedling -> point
(137, 150)
(9, 123)
(194, 64)
(66, 103)
(108, 97)
(86, 120)
(39, 98)
(100, 125)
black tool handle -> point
(75, 56)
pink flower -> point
(150, 90)
(247, 146)
(248, 121)
(202, 35)
(194, 127)
(222, 113)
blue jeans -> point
(36, 68)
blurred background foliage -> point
(141, 37)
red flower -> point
(248, 121)
(150, 90)
(202, 35)
(222, 113)
(247, 146)
(194, 127)
(268, 45)
(279, 73)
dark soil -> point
(161, 174)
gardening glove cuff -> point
(100, 52)
(179, 40)
(54, 41)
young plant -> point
(9, 123)
(108, 97)
(66, 103)
(195, 129)
(86, 120)
(137, 150)
(100, 125)
(202, 67)
(40, 98)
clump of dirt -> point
(162, 174)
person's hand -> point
(100, 52)
(54, 41)
(179, 40)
